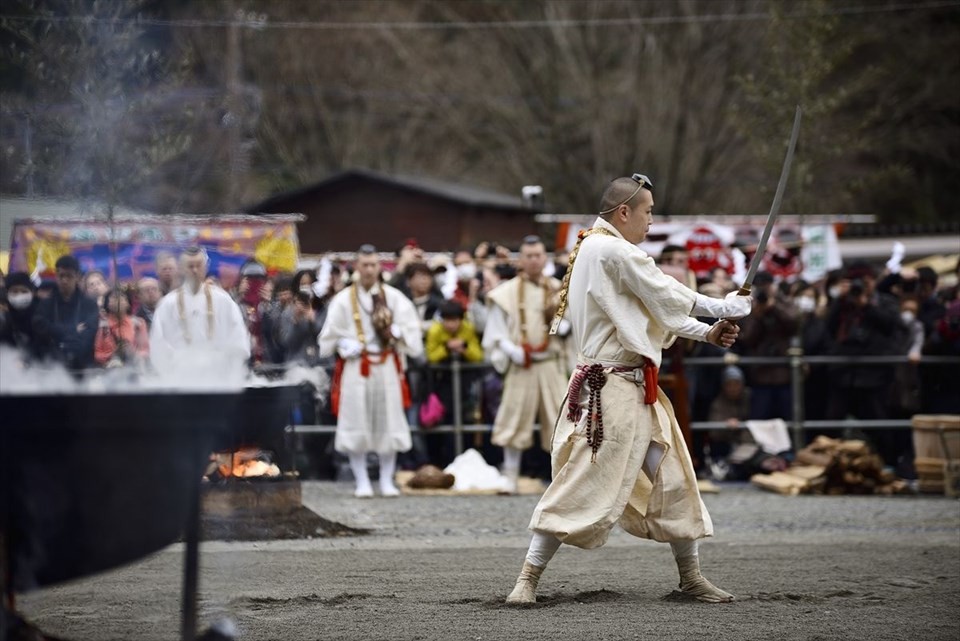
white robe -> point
(371, 417)
(202, 360)
(622, 308)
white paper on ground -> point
(471, 472)
(771, 436)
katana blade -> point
(774, 208)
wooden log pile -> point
(834, 466)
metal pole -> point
(796, 384)
(233, 122)
(191, 564)
(28, 152)
(457, 404)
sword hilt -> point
(744, 291)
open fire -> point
(248, 462)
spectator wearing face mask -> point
(16, 317)
(914, 330)
(470, 289)
(467, 283)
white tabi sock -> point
(542, 549)
(358, 465)
(511, 467)
(511, 461)
(388, 467)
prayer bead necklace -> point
(181, 309)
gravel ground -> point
(437, 569)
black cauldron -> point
(90, 482)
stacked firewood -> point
(834, 466)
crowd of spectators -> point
(82, 322)
(858, 311)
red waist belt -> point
(530, 350)
(365, 362)
(594, 375)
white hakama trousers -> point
(587, 498)
(371, 417)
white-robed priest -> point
(371, 328)
(618, 454)
(198, 337)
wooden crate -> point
(936, 444)
(927, 441)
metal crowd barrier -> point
(794, 358)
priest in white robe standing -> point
(198, 337)
(372, 328)
(618, 454)
(535, 365)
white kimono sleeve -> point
(339, 324)
(405, 317)
(237, 337)
(161, 349)
(668, 302)
(496, 331)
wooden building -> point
(359, 206)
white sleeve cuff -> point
(707, 306)
(693, 329)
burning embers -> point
(248, 462)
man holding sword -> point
(618, 454)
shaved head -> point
(620, 191)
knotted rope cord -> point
(565, 287)
(365, 360)
(596, 378)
